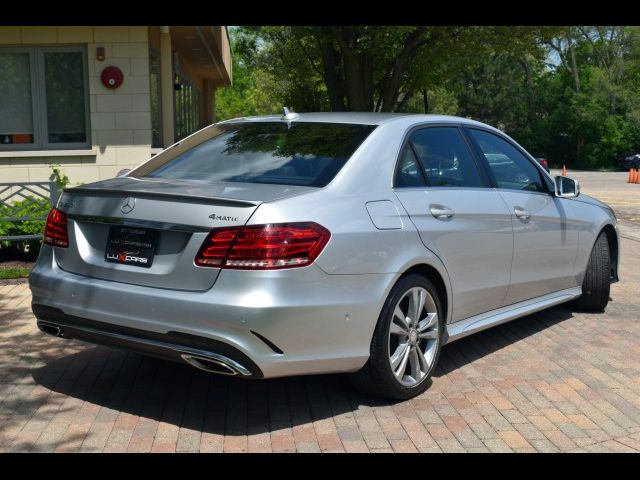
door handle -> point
(441, 212)
(521, 213)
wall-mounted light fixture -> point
(100, 55)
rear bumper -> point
(203, 353)
(273, 323)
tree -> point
(254, 90)
(374, 68)
(569, 94)
(600, 110)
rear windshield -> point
(303, 153)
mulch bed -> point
(14, 258)
(13, 281)
(17, 264)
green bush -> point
(29, 207)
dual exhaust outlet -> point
(51, 329)
(206, 361)
(210, 364)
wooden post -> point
(166, 87)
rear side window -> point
(510, 168)
(409, 171)
(308, 154)
(445, 158)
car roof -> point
(364, 118)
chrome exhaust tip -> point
(219, 364)
(51, 329)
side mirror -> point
(566, 187)
(123, 172)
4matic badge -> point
(225, 218)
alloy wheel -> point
(414, 334)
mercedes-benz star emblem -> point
(128, 205)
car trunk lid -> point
(181, 212)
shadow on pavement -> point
(481, 344)
(183, 396)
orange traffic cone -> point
(632, 175)
(564, 170)
(637, 176)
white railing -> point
(29, 194)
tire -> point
(424, 336)
(596, 284)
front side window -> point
(510, 168)
(43, 98)
(445, 158)
(299, 153)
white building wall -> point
(120, 119)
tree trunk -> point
(356, 71)
(576, 81)
(354, 85)
(579, 148)
(367, 81)
(331, 70)
(425, 98)
(392, 88)
(528, 79)
(407, 96)
(357, 79)
(612, 104)
(574, 67)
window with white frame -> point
(43, 98)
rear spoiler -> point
(108, 192)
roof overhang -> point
(204, 51)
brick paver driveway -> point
(553, 381)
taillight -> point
(55, 231)
(263, 247)
(544, 163)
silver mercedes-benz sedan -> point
(321, 242)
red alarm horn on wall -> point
(112, 77)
